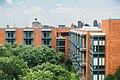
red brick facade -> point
(37, 34)
(112, 30)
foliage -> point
(74, 76)
(38, 55)
(68, 65)
(38, 75)
(12, 67)
(5, 50)
(115, 76)
(48, 71)
(44, 63)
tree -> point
(38, 75)
(12, 67)
(44, 63)
(68, 65)
(110, 77)
(60, 57)
(48, 71)
(38, 55)
(115, 76)
(5, 50)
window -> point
(101, 61)
(95, 77)
(60, 49)
(10, 37)
(96, 43)
(64, 34)
(95, 61)
(95, 48)
(12, 34)
(60, 42)
(102, 43)
(95, 38)
(28, 42)
(101, 48)
(46, 34)
(46, 42)
(101, 77)
(28, 34)
(8, 34)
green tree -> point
(110, 77)
(5, 50)
(68, 65)
(38, 75)
(12, 67)
(115, 76)
(60, 57)
(38, 55)
(58, 71)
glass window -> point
(95, 42)
(101, 61)
(60, 42)
(95, 61)
(95, 48)
(12, 34)
(95, 77)
(101, 48)
(64, 34)
(8, 34)
(102, 43)
(61, 49)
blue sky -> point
(55, 12)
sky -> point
(21, 13)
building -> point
(94, 51)
(61, 26)
(80, 24)
(95, 23)
(73, 26)
(52, 37)
(36, 23)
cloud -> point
(9, 1)
(68, 10)
(38, 8)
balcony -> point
(83, 64)
(97, 69)
(73, 41)
(92, 52)
(82, 49)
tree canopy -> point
(21, 62)
(48, 71)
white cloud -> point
(9, 1)
(68, 10)
(38, 8)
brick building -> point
(95, 52)
(56, 38)
(92, 50)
